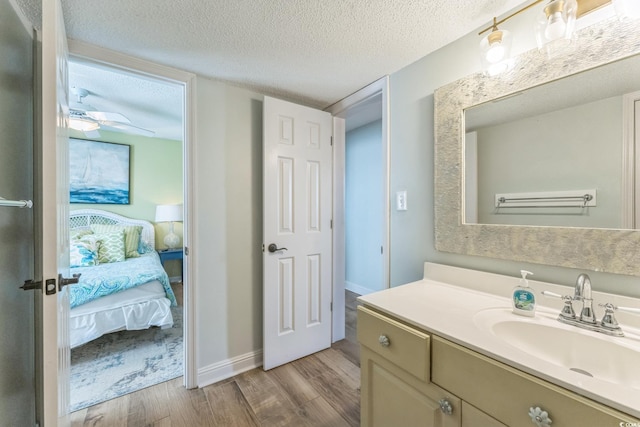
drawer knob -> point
(539, 417)
(445, 406)
(384, 341)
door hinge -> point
(332, 141)
(331, 306)
(331, 224)
(186, 250)
(381, 250)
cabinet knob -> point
(384, 341)
(445, 406)
(539, 417)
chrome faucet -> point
(587, 318)
(583, 293)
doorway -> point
(360, 177)
(174, 190)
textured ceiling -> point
(314, 52)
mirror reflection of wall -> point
(562, 136)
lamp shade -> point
(495, 52)
(168, 213)
(555, 24)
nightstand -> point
(169, 254)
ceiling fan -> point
(85, 118)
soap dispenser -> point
(524, 301)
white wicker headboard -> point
(83, 218)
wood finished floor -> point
(319, 390)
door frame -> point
(339, 111)
(630, 162)
(187, 80)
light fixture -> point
(553, 29)
(82, 124)
(495, 50)
(627, 9)
(554, 26)
(171, 214)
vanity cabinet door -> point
(395, 377)
(390, 396)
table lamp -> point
(170, 214)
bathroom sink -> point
(611, 359)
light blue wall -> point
(364, 211)
(412, 143)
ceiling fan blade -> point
(125, 127)
(107, 116)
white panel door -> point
(54, 213)
(297, 161)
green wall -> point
(156, 178)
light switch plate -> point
(401, 200)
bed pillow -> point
(83, 253)
(79, 233)
(131, 236)
(111, 247)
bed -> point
(123, 285)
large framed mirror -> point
(474, 218)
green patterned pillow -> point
(111, 247)
(131, 236)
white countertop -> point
(449, 311)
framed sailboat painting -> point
(98, 172)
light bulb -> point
(495, 53)
(556, 27)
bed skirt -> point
(134, 309)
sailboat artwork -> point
(98, 172)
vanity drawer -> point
(404, 346)
(506, 394)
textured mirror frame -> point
(613, 251)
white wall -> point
(228, 228)
(412, 142)
(364, 209)
(574, 148)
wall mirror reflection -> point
(559, 154)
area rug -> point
(123, 362)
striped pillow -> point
(131, 236)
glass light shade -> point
(495, 52)
(554, 26)
(83, 125)
(627, 9)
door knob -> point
(274, 248)
(66, 281)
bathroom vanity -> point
(448, 351)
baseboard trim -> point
(358, 289)
(228, 368)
